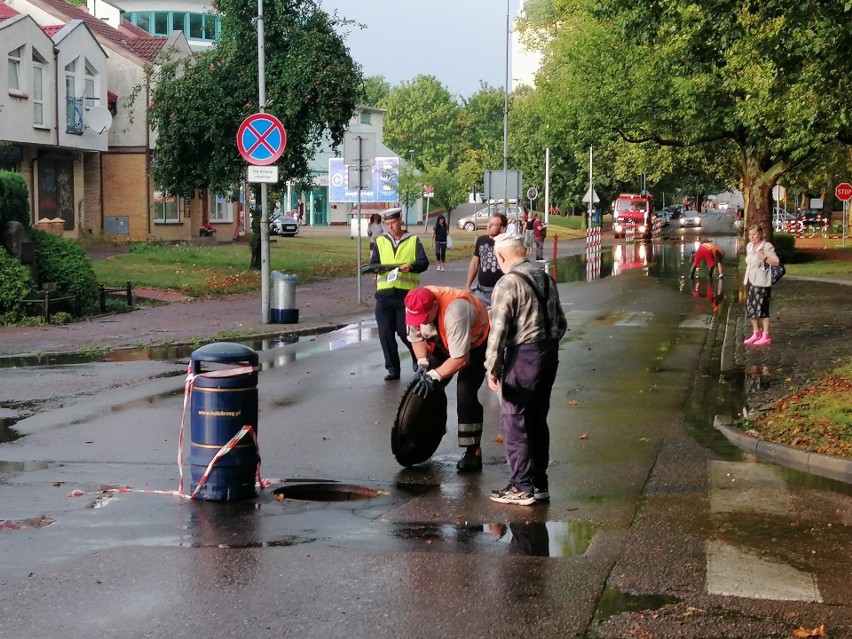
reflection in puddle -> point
(542, 539)
(614, 602)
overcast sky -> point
(460, 42)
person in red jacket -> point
(710, 254)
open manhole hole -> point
(326, 492)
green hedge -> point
(64, 263)
(15, 285)
(14, 199)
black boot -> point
(692, 273)
(471, 461)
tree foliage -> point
(449, 186)
(764, 84)
(373, 90)
(421, 116)
(14, 199)
(198, 103)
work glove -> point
(422, 367)
(426, 383)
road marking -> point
(697, 321)
(738, 573)
(740, 488)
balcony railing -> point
(74, 120)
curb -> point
(819, 464)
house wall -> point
(16, 110)
(125, 194)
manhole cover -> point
(326, 492)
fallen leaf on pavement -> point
(819, 631)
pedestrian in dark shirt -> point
(483, 265)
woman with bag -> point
(760, 257)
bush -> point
(785, 246)
(64, 263)
(15, 285)
(14, 199)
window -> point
(196, 25)
(142, 20)
(91, 82)
(15, 78)
(71, 79)
(222, 209)
(178, 21)
(38, 92)
(166, 208)
(366, 117)
(161, 23)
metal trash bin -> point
(284, 309)
(223, 400)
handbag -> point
(778, 272)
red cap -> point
(418, 303)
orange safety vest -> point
(446, 295)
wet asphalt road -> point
(654, 529)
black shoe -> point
(471, 462)
(390, 377)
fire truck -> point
(638, 210)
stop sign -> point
(843, 191)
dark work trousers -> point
(529, 371)
(469, 380)
(390, 318)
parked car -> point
(690, 219)
(479, 220)
(284, 225)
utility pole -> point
(264, 197)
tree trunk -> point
(757, 198)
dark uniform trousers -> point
(390, 318)
(469, 380)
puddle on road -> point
(7, 433)
(614, 602)
(539, 539)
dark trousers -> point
(390, 318)
(529, 371)
(468, 382)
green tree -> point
(14, 199)
(409, 187)
(765, 84)
(421, 116)
(198, 104)
(449, 187)
(373, 90)
(480, 125)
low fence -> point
(126, 290)
(55, 304)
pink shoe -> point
(764, 340)
(754, 337)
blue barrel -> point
(219, 407)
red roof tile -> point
(6, 12)
(52, 29)
(102, 30)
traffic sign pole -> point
(844, 194)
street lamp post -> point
(409, 197)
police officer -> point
(403, 251)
